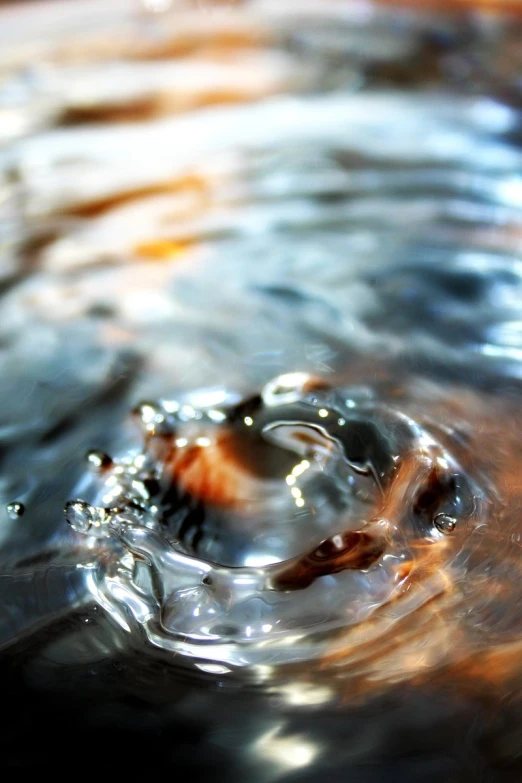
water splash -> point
(252, 533)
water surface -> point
(267, 257)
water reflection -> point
(199, 206)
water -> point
(261, 336)
(15, 509)
(253, 534)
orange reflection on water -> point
(162, 249)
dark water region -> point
(261, 336)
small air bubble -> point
(79, 515)
(444, 523)
(15, 510)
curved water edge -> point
(331, 510)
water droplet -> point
(98, 460)
(444, 523)
(15, 510)
(79, 514)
